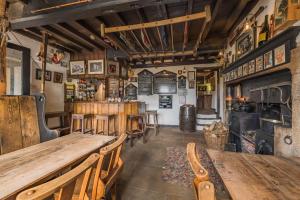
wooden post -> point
(3, 26)
(44, 58)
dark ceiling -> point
(77, 28)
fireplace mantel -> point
(287, 38)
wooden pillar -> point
(3, 26)
(44, 59)
(295, 71)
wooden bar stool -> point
(83, 120)
(153, 125)
(106, 119)
(139, 131)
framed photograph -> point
(251, 68)
(124, 72)
(48, 75)
(235, 73)
(279, 55)
(191, 75)
(191, 84)
(113, 68)
(268, 60)
(96, 67)
(58, 77)
(245, 43)
(259, 63)
(133, 79)
(179, 72)
(245, 69)
(240, 71)
(77, 67)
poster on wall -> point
(279, 55)
(259, 63)
(268, 60)
(251, 67)
(77, 67)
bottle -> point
(264, 32)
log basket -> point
(216, 136)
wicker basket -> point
(216, 141)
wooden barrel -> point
(187, 118)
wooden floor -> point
(145, 163)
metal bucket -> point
(187, 118)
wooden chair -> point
(106, 176)
(204, 189)
(64, 184)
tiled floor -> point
(141, 177)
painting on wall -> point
(191, 75)
(251, 67)
(77, 67)
(112, 68)
(96, 67)
(268, 60)
(245, 69)
(279, 55)
(58, 77)
(259, 63)
(245, 43)
(38, 75)
(240, 71)
(281, 11)
(191, 84)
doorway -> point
(17, 70)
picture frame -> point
(268, 59)
(113, 68)
(191, 75)
(245, 43)
(38, 75)
(279, 55)
(96, 67)
(77, 67)
(58, 77)
(192, 84)
(124, 72)
(245, 69)
(240, 71)
(251, 67)
(259, 63)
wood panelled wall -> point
(85, 55)
(119, 109)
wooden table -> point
(252, 176)
(25, 167)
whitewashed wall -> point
(54, 91)
(170, 116)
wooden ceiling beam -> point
(71, 30)
(90, 10)
(180, 63)
(235, 14)
(58, 33)
(133, 35)
(160, 39)
(38, 38)
(143, 18)
(203, 28)
(162, 54)
(154, 24)
(93, 32)
(186, 24)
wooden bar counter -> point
(121, 109)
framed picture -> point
(179, 72)
(259, 63)
(245, 69)
(124, 72)
(133, 79)
(251, 68)
(96, 67)
(268, 60)
(240, 71)
(77, 67)
(279, 55)
(38, 75)
(245, 43)
(235, 73)
(191, 75)
(58, 77)
(191, 84)
(48, 75)
(112, 68)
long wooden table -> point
(25, 167)
(253, 177)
